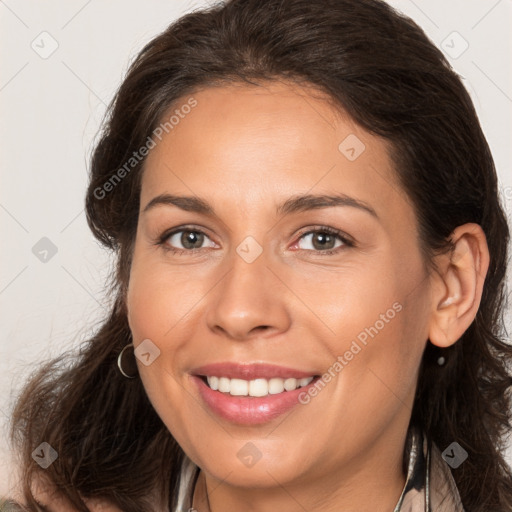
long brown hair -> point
(378, 66)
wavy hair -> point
(378, 66)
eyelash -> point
(162, 240)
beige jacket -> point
(429, 486)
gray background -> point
(51, 107)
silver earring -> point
(441, 361)
(120, 363)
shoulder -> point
(7, 505)
(49, 496)
(61, 504)
(101, 506)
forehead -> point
(257, 144)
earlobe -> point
(458, 286)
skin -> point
(245, 149)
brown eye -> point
(186, 240)
(191, 239)
(321, 240)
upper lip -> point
(249, 371)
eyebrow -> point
(299, 203)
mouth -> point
(255, 387)
(251, 394)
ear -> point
(457, 285)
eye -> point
(189, 238)
(325, 240)
(322, 239)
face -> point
(256, 288)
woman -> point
(310, 280)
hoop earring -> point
(120, 362)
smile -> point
(256, 387)
(250, 393)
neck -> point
(373, 484)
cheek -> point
(157, 299)
(147, 316)
(149, 306)
(380, 326)
(153, 310)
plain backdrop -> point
(61, 62)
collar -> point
(429, 485)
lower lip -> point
(249, 410)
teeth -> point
(256, 387)
(290, 384)
(275, 386)
(213, 382)
(239, 387)
(224, 385)
(305, 381)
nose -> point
(249, 301)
